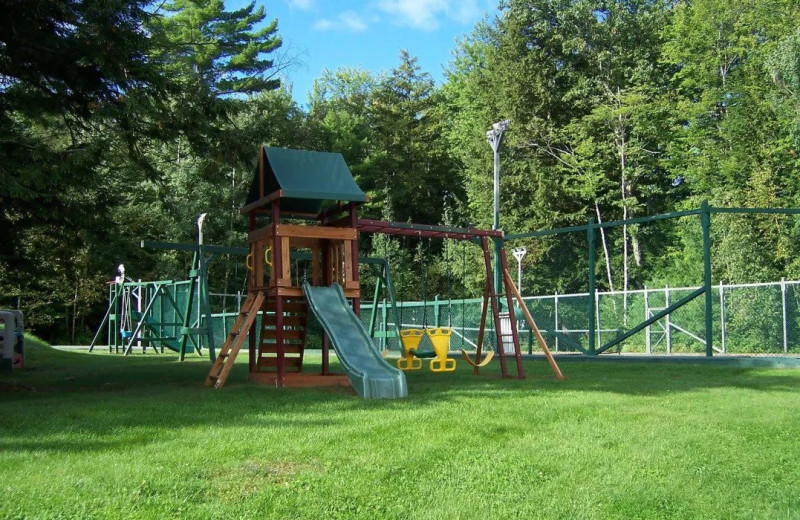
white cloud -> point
(305, 5)
(353, 21)
(426, 14)
(323, 24)
(347, 20)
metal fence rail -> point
(748, 319)
(762, 318)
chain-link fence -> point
(748, 319)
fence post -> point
(668, 322)
(722, 317)
(436, 309)
(785, 324)
(555, 322)
(385, 324)
(598, 325)
(647, 317)
(705, 222)
(590, 239)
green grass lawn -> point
(103, 436)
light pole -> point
(200, 220)
(495, 137)
(519, 254)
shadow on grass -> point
(53, 371)
(111, 401)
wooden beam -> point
(424, 230)
(257, 235)
(512, 318)
(352, 257)
(261, 156)
(498, 328)
(263, 201)
(319, 232)
(532, 324)
(315, 267)
(304, 243)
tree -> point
(413, 169)
(70, 72)
(110, 115)
(577, 80)
(733, 139)
(221, 48)
(339, 118)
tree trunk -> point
(622, 148)
(74, 311)
(605, 246)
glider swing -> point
(491, 296)
(438, 336)
(478, 363)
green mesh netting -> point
(747, 319)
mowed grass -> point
(104, 436)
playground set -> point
(320, 225)
(303, 205)
(12, 340)
(171, 314)
(281, 192)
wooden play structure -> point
(303, 201)
(12, 340)
(293, 184)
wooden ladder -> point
(233, 343)
(295, 317)
(494, 300)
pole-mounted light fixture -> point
(200, 220)
(495, 137)
(519, 254)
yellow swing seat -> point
(488, 357)
(410, 338)
(440, 339)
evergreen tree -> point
(221, 48)
(413, 169)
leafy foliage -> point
(122, 120)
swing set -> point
(439, 337)
(507, 337)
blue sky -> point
(368, 34)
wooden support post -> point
(482, 329)
(316, 278)
(251, 344)
(326, 348)
(532, 324)
(277, 266)
(325, 248)
(354, 256)
(503, 264)
(498, 331)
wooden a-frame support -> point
(491, 299)
(233, 343)
(531, 323)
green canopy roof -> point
(306, 179)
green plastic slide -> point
(370, 374)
